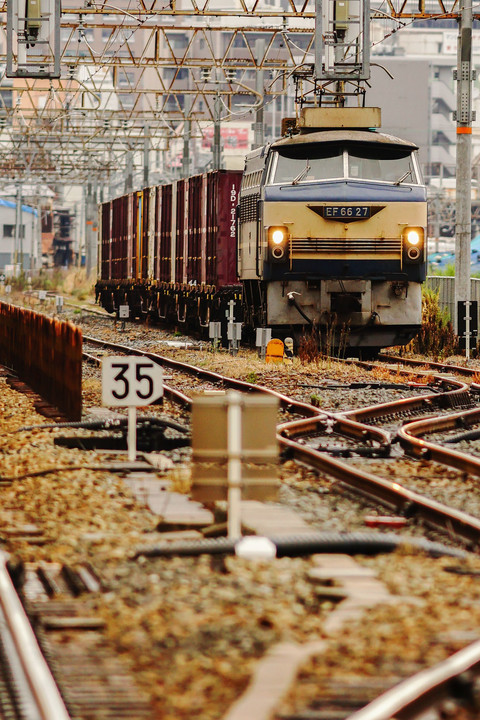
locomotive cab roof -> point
(366, 137)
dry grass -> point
(316, 346)
(76, 283)
(436, 338)
(72, 282)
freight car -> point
(169, 252)
(326, 231)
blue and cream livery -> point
(332, 233)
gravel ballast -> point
(193, 630)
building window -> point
(126, 79)
(6, 98)
(170, 74)
(9, 231)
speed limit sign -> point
(130, 381)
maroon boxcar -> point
(170, 251)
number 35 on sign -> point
(129, 381)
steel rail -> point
(286, 403)
(29, 668)
(338, 424)
(424, 689)
(439, 367)
(425, 402)
(310, 425)
(84, 308)
(458, 524)
(411, 439)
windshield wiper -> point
(302, 174)
(404, 177)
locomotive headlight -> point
(413, 244)
(278, 236)
(413, 237)
(277, 242)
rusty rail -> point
(455, 677)
(46, 354)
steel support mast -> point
(464, 117)
(342, 48)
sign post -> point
(123, 314)
(263, 337)
(215, 333)
(130, 381)
(234, 454)
(234, 330)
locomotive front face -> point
(340, 227)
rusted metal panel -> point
(165, 259)
(137, 202)
(192, 224)
(119, 238)
(157, 229)
(151, 227)
(46, 354)
(186, 225)
(203, 230)
(227, 188)
(130, 236)
(211, 271)
(114, 239)
(192, 230)
(106, 242)
(179, 256)
(144, 246)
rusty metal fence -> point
(46, 354)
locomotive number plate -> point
(346, 212)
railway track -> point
(360, 438)
(446, 689)
(454, 679)
(28, 689)
(371, 434)
(214, 379)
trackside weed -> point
(436, 337)
(316, 345)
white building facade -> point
(26, 252)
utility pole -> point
(89, 218)
(18, 231)
(217, 151)
(128, 172)
(146, 155)
(259, 135)
(464, 77)
(187, 132)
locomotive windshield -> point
(314, 162)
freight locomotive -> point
(325, 229)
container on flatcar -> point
(170, 251)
